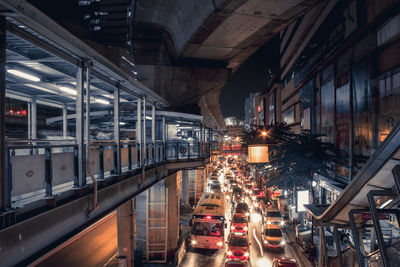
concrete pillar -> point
(185, 188)
(173, 214)
(125, 228)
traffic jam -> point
(236, 223)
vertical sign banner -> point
(302, 199)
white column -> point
(65, 121)
(153, 132)
(34, 118)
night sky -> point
(251, 77)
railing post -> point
(48, 173)
(129, 156)
(177, 150)
(8, 181)
(101, 161)
(76, 168)
(188, 150)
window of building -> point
(389, 30)
(389, 85)
(288, 115)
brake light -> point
(208, 217)
(261, 193)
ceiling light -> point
(122, 123)
(24, 75)
(108, 96)
(101, 101)
(67, 90)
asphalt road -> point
(259, 257)
(92, 247)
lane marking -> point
(258, 242)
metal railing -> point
(41, 169)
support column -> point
(34, 118)
(185, 188)
(144, 133)
(117, 138)
(87, 123)
(65, 121)
(79, 126)
(34, 123)
(126, 238)
(153, 131)
(29, 120)
(139, 129)
(4, 186)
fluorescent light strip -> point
(101, 101)
(67, 90)
(24, 75)
(387, 202)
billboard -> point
(302, 199)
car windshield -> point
(215, 186)
(207, 229)
(273, 232)
(274, 214)
(238, 242)
(239, 219)
(236, 264)
(242, 207)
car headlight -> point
(247, 214)
(220, 244)
(246, 254)
(232, 227)
(229, 253)
(245, 228)
(227, 197)
(194, 242)
(282, 223)
(269, 222)
(265, 241)
(255, 205)
(283, 242)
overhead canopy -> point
(376, 174)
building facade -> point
(340, 75)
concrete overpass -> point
(190, 48)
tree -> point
(294, 158)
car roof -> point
(272, 226)
(239, 215)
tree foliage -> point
(294, 158)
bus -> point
(208, 222)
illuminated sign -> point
(302, 199)
(258, 153)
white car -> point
(273, 216)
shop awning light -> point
(67, 90)
(24, 75)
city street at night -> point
(200, 133)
